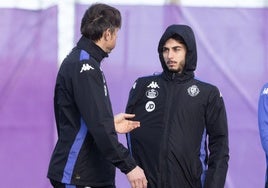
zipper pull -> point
(173, 76)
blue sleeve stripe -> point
(73, 154)
(263, 117)
(129, 144)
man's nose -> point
(170, 54)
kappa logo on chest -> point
(153, 85)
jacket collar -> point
(90, 47)
(177, 77)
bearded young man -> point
(183, 140)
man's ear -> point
(107, 34)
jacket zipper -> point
(164, 154)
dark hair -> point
(178, 38)
(98, 18)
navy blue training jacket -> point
(87, 149)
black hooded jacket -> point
(183, 138)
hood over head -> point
(187, 34)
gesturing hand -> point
(123, 124)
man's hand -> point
(123, 125)
(137, 178)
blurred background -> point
(35, 36)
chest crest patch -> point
(193, 91)
(151, 93)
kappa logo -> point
(86, 67)
(265, 91)
(153, 85)
(193, 90)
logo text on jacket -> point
(150, 106)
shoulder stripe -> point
(84, 55)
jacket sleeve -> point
(133, 97)
(263, 117)
(92, 99)
(217, 130)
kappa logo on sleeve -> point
(265, 91)
(86, 67)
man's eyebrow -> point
(177, 47)
(164, 47)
